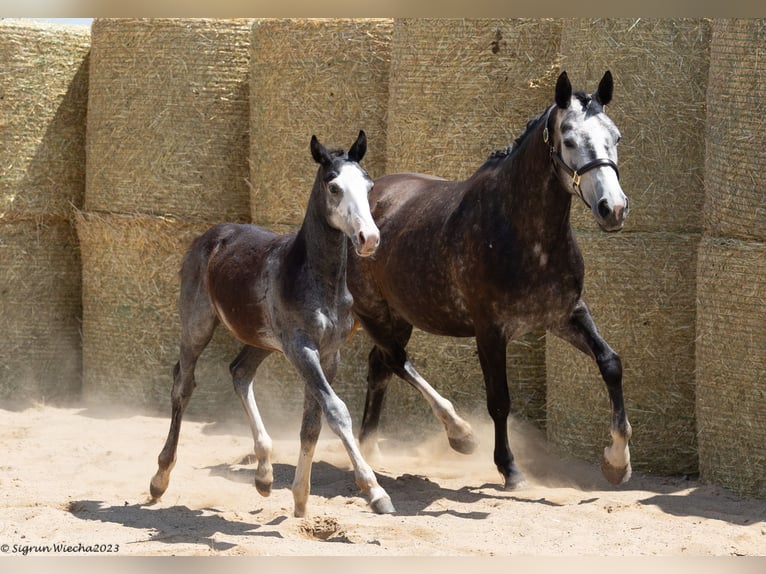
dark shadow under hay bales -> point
(735, 158)
(660, 69)
(731, 362)
(641, 290)
(323, 77)
(168, 118)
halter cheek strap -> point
(575, 174)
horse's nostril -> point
(603, 208)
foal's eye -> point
(334, 188)
(570, 143)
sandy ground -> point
(73, 477)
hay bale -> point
(462, 88)
(641, 291)
(130, 270)
(40, 350)
(731, 361)
(660, 69)
(734, 203)
(167, 118)
(44, 80)
(323, 77)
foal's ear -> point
(563, 91)
(603, 94)
(319, 152)
(357, 151)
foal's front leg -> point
(306, 359)
(581, 331)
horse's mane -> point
(500, 154)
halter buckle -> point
(576, 177)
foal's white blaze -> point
(352, 214)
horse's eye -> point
(570, 143)
(334, 188)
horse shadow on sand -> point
(174, 525)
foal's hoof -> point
(614, 474)
(383, 505)
(465, 444)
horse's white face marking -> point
(586, 136)
(350, 208)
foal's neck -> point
(323, 249)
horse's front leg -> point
(491, 344)
(306, 359)
(580, 330)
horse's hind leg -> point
(243, 370)
(198, 322)
(581, 331)
(390, 356)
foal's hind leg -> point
(389, 356)
(197, 327)
(243, 370)
(305, 357)
(581, 331)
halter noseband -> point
(575, 174)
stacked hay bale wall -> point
(460, 89)
(322, 77)
(167, 143)
(641, 283)
(731, 306)
(43, 104)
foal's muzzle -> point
(366, 242)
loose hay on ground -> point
(660, 69)
(328, 78)
(731, 361)
(640, 288)
(168, 118)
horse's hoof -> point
(263, 488)
(465, 444)
(157, 487)
(615, 475)
(515, 481)
(383, 505)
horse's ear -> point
(319, 152)
(603, 94)
(563, 91)
(357, 151)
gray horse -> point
(283, 293)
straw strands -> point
(731, 361)
(168, 118)
(640, 289)
(660, 69)
(323, 77)
(462, 88)
(43, 79)
(736, 120)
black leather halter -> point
(575, 174)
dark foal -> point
(494, 257)
(283, 293)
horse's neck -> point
(322, 251)
(531, 198)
